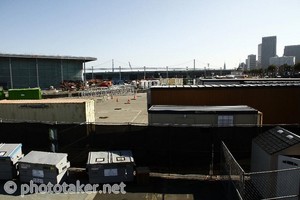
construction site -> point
(196, 141)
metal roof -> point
(45, 158)
(32, 56)
(286, 84)
(109, 157)
(276, 140)
(45, 101)
(8, 150)
(201, 109)
(250, 79)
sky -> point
(151, 33)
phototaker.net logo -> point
(10, 187)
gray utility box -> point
(10, 154)
(43, 167)
(110, 166)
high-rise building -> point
(268, 50)
(284, 60)
(251, 62)
(259, 56)
(242, 66)
(293, 50)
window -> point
(110, 172)
(225, 120)
(38, 173)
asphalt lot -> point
(122, 109)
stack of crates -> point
(110, 167)
(44, 167)
(30, 93)
(10, 154)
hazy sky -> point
(148, 32)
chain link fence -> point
(271, 185)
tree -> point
(285, 70)
(256, 72)
(271, 69)
(297, 67)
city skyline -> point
(148, 33)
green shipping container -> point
(2, 95)
(30, 93)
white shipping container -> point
(110, 166)
(48, 110)
(43, 167)
(10, 154)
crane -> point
(130, 66)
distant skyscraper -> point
(251, 62)
(284, 60)
(268, 50)
(224, 66)
(242, 66)
(293, 50)
(259, 56)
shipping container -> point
(110, 166)
(44, 167)
(48, 110)
(28, 93)
(217, 116)
(10, 154)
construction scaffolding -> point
(121, 90)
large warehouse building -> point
(279, 103)
(23, 71)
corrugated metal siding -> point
(279, 105)
(43, 111)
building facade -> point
(259, 56)
(284, 60)
(27, 71)
(268, 50)
(251, 62)
(293, 50)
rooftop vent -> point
(280, 131)
(99, 159)
(120, 158)
(290, 137)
